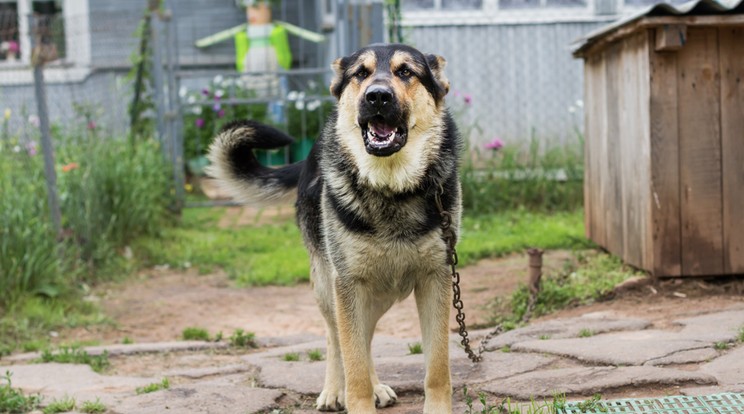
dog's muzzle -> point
(383, 127)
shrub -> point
(195, 334)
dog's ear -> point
(436, 65)
(337, 83)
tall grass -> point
(110, 192)
(534, 176)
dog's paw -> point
(384, 396)
(330, 400)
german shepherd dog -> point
(366, 207)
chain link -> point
(450, 239)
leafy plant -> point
(415, 348)
(164, 384)
(585, 333)
(593, 404)
(195, 334)
(315, 355)
(291, 356)
(63, 405)
(75, 355)
(93, 407)
(127, 340)
(243, 339)
(721, 346)
(13, 400)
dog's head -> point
(388, 94)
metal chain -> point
(450, 239)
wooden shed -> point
(664, 158)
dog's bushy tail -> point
(238, 171)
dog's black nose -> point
(378, 95)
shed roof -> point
(647, 15)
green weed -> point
(74, 355)
(557, 405)
(127, 340)
(593, 404)
(164, 384)
(291, 356)
(315, 355)
(740, 337)
(243, 339)
(544, 337)
(13, 400)
(66, 404)
(93, 407)
(415, 348)
(506, 349)
(195, 334)
(585, 333)
(721, 346)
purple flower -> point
(495, 144)
(199, 123)
(221, 113)
(205, 91)
(91, 125)
(467, 99)
(31, 148)
(217, 107)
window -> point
(410, 5)
(10, 45)
(49, 28)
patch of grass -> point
(13, 400)
(164, 384)
(415, 348)
(127, 340)
(721, 346)
(586, 333)
(74, 355)
(740, 337)
(195, 334)
(291, 356)
(315, 355)
(516, 230)
(593, 404)
(270, 254)
(93, 407)
(590, 278)
(506, 348)
(243, 339)
(64, 405)
(506, 406)
(544, 337)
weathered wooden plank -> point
(700, 153)
(665, 204)
(670, 37)
(644, 148)
(731, 51)
(594, 97)
(612, 181)
(630, 142)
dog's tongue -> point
(380, 129)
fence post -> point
(37, 61)
(173, 114)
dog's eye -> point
(404, 72)
(361, 74)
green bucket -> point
(301, 149)
(271, 158)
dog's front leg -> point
(432, 301)
(353, 317)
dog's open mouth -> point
(383, 139)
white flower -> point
(311, 84)
(300, 105)
(228, 82)
(183, 91)
(580, 103)
(16, 149)
(292, 95)
(571, 109)
(313, 105)
(301, 96)
(218, 79)
(219, 93)
(191, 99)
(34, 120)
(197, 110)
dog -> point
(366, 201)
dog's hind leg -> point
(432, 300)
(332, 396)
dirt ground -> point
(159, 303)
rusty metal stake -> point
(535, 274)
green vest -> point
(278, 39)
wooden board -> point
(612, 181)
(731, 51)
(700, 153)
(594, 145)
(632, 148)
(665, 207)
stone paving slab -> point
(713, 327)
(225, 395)
(55, 380)
(685, 357)
(596, 322)
(197, 373)
(729, 368)
(618, 348)
(131, 349)
(590, 380)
